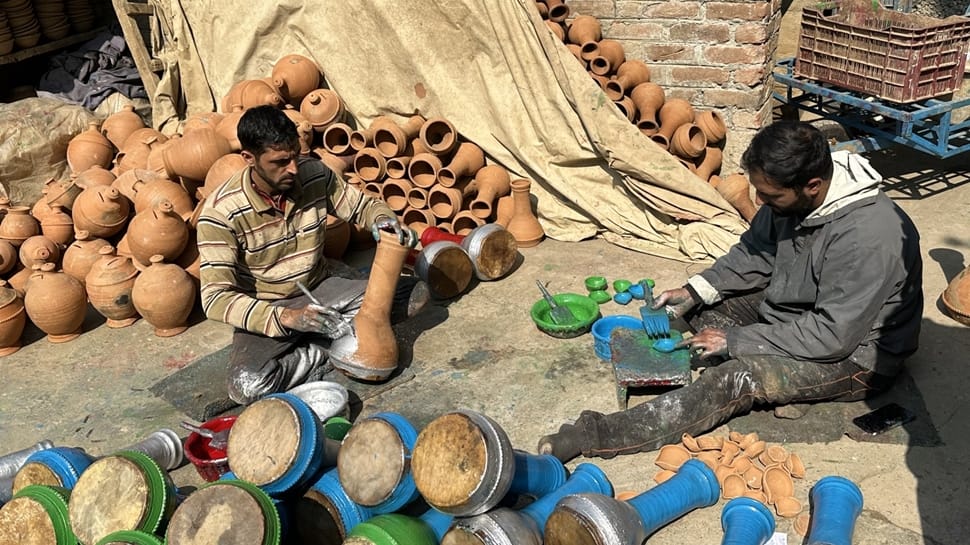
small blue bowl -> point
(623, 297)
(637, 291)
(603, 330)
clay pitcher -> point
(468, 160)
(227, 127)
(736, 190)
(294, 77)
(108, 284)
(101, 211)
(256, 92)
(322, 108)
(18, 225)
(688, 142)
(29, 248)
(82, 254)
(8, 257)
(609, 58)
(423, 170)
(192, 155)
(164, 295)
(523, 225)
(674, 113)
(224, 168)
(336, 139)
(13, 318)
(370, 165)
(118, 126)
(96, 175)
(55, 303)
(372, 353)
(89, 148)
(158, 230)
(439, 136)
(584, 29)
(712, 124)
(392, 140)
(649, 98)
(58, 226)
(709, 162)
(493, 182)
(630, 74)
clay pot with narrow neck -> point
(294, 77)
(439, 136)
(688, 142)
(96, 175)
(108, 285)
(191, 261)
(227, 127)
(372, 353)
(709, 162)
(257, 92)
(202, 120)
(58, 226)
(18, 225)
(392, 140)
(89, 148)
(674, 113)
(468, 160)
(627, 108)
(523, 225)
(192, 155)
(149, 194)
(736, 190)
(56, 303)
(13, 318)
(219, 173)
(493, 182)
(370, 165)
(62, 193)
(164, 295)
(557, 29)
(336, 237)
(503, 210)
(394, 191)
(415, 216)
(397, 167)
(28, 250)
(577, 52)
(81, 255)
(610, 56)
(338, 164)
(584, 29)
(712, 124)
(630, 74)
(9, 257)
(649, 98)
(423, 170)
(142, 134)
(232, 98)
(322, 108)
(600, 80)
(336, 139)
(158, 230)
(444, 202)
(118, 126)
(19, 279)
(101, 211)
(558, 10)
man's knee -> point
(246, 385)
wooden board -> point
(371, 462)
(126, 12)
(111, 495)
(23, 521)
(449, 460)
(264, 442)
(217, 514)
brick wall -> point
(715, 54)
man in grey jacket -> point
(820, 300)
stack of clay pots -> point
(745, 466)
(695, 138)
(22, 21)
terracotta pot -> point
(82, 254)
(58, 226)
(558, 10)
(370, 165)
(423, 170)
(465, 222)
(504, 209)
(336, 237)
(630, 74)
(203, 120)
(336, 139)
(19, 280)
(118, 126)
(164, 295)
(418, 147)
(372, 354)
(89, 148)
(233, 98)
(712, 124)
(585, 29)
(672, 457)
(372, 189)
(109, 283)
(523, 224)
(439, 136)
(156, 159)
(136, 154)
(62, 193)
(709, 162)
(294, 77)
(338, 164)
(125, 183)
(444, 202)
(392, 140)
(688, 142)
(542, 9)
(257, 92)
(609, 58)
(142, 134)
(18, 225)
(649, 98)
(627, 108)
(28, 250)
(219, 173)
(9, 257)
(149, 194)
(191, 261)
(322, 108)
(96, 175)
(736, 190)
(468, 160)
(674, 113)
(557, 29)
(397, 167)
(101, 211)
(227, 128)
(493, 181)
(362, 138)
(415, 216)
(303, 128)
(956, 300)
(192, 155)
(158, 230)
(418, 198)
(55, 303)
(394, 191)
(577, 52)
(600, 80)
(13, 318)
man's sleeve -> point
(352, 205)
(221, 298)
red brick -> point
(636, 30)
(746, 11)
(751, 77)
(704, 75)
(595, 8)
(666, 52)
(700, 32)
(736, 54)
(719, 98)
(673, 10)
(751, 33)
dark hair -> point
(265, 127)
(789, 153)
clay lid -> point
(7, 294)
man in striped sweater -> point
(260, 234)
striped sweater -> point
(252, 253)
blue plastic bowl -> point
(603, 330)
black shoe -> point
(565, 445)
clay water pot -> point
(232, 99)
(125, 183)
(577, 52)
(82, 254)
(557, 29)
(688, 142)
(370, 165)
(394, 192)
(558, 10)
(584, 29)
(322, 108)
(219, 173)
(336, 139)
(493, 182)
(227, 127)
(18, 281)
(28, 250)
(397, 167)
(136, 153)
(149, 194)
(627, 108)
(503, 210)
(418, 198)
(468, 160)
(89, 148)
(62, 193)
(736, 190)
(303, 128)
(444, 202)
(523, 225)
(18, 225)
(439, 136)
(56, 303)
(336, 237)
(142, 134)
(118, 126)
(956, 297)
(164, 295)
(192, 155)
(709, 162)
(465, 222)
(13, 318)
(630, 74)
(674, 113)
(423, 170)
(202, 120)
(191, 260)
(157, 230)
(392, 140)
(609, 58)
(372, 353)
(58, 226)
(416, 216)
(9, 257)
(109, 283)
(294, 77)
(672, 457)
(102, 211)
(96, 175)
(257, 92)
(712, 124)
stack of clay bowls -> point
(52, 18)
(23, 22)
(81, 15)
(6, 35)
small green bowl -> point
(595, 283)
(600, 296)
(584, 309)
(620, 286)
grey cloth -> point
(843, 283)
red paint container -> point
(210, 462)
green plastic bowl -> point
(595, 283)
(584, 309)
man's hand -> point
(405, 235)
(678, 302)
(707, 342)
(315, 319)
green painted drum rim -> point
(161, 498)
(54, 501)
(394, 529)
(135, 537)
(274, 526)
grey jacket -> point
(844, 282)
